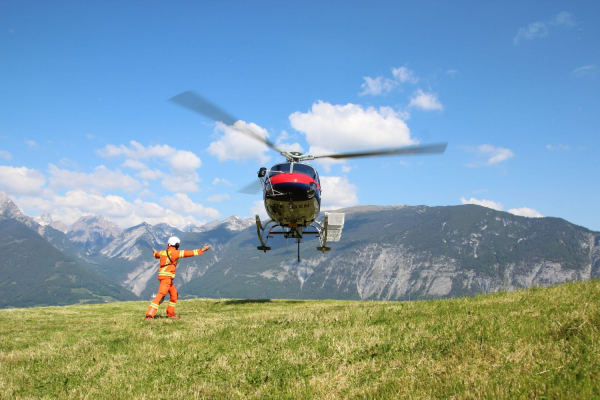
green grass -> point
(538, 343)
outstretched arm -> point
(192, 253)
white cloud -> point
(586, 70)
(452, 72)
(381, 85)
(491, 154)
(217, 198)
(181, 161)
(425, 101)
(21, 181)
(180, 211)
(288, 146)
(74, 204)
(235, 145)
(376, 86)
(525, 212)
(5, 155)
(146, 193)
(134, 164)
(31, 143)
(258, 208)
(541, 29)
(182, 204)
(151, 174)
(532, 31)
(186, 183)
(496, 154)
(327, 163)
(484, 203)
(221, 180)
(182, 175)
(337, 192)
(101, 179)
(565, 19)
(351, 127)
(404, 75)
(110, 206)
(185, 162)
(558, 147)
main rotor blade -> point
(425, 149)
(251, 188)
(197, 104)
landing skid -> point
(330, 228)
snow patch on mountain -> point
(233, 223)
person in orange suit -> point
(166, 274)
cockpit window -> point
(279, 168)
(305, 169)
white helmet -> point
(173, 241)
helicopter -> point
(292, 189)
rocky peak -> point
(8, 208)
(43, 219)
(233, 223)
(60, 226)
(126, 243)
(93, 232)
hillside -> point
(36, 273)
(537, 343)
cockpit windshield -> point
(305, 169)
(279, 168)
(295, 167)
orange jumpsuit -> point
(166, 274)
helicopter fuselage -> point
(292, 194)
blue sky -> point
(86, 128)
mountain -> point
(36, 273)
(402, 252)
(90, 234)
(43, 219)
(59, 226)
(232, 223)
(392, 253)
(128, 258)
(8, 209)
(46, 220)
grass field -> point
(538, 343)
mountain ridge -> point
(396, 252)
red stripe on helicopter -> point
(291, 178)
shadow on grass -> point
(246, 301)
